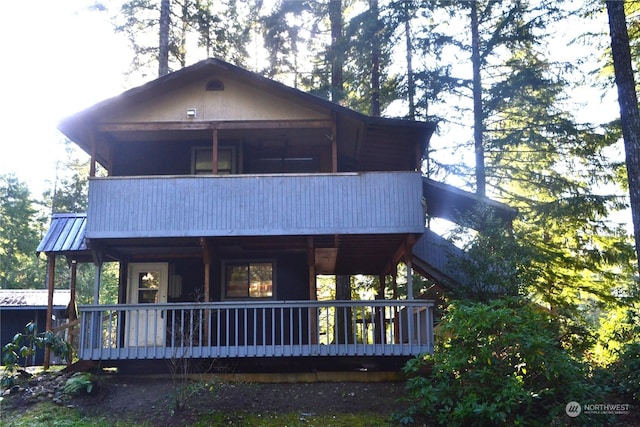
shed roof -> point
(33, 298)
(66, 236)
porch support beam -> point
(73, 315)
(97, 255)
(396, 325)
(51, 269)
(313, 290)
(206, 125)
(334, 142)
(214, 155)
(206, 259)
(379, 319)
(92, 164)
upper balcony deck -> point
(255, 205)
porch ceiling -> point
(355, 254)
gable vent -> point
(215, 84)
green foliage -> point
(221, 29)
(80, 382)
(626, 372)
(291, 419)
(24, 345)
(623, 339)
(494, 263)
(497, 363)
(47, 414)
(20, 228)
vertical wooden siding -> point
(243, 205)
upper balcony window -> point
(283, 165)
(203, 159)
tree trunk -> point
(411, 86)
(375, 59)
(337, 50)
(163, 51)
(478, 126)
(629, 114)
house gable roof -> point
(366, 132)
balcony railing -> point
(255, 205)
(256, 329)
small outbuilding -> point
(18, 307)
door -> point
(147, 285)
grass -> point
(48, 414)
(291, 420)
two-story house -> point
(227, 195)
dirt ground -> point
(152, 400)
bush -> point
(625, 372)
(498, 363)
(24, 345)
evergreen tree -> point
(20, 232)
(191, 30)
(629, 114)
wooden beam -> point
(92, 164)
(313, 291)
(214, 154)
(206, 259)
(379, 319)
(334, 142)
(221, 125)
(72, 304)
(51, 270)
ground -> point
(152, 400)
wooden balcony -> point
(255, 205)
(256, 329)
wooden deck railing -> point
(256, 329)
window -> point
(284, 165)
(203, 157)
(249, 280)
(148, 287)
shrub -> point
(497, 363)
(625, 372)
(24, 345)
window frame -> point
(248, 262)
(234, 159)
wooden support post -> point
(72, 305)
(396, 320)
(313, 290)
(51, 269)
(379, 316)
(334, 142)
(206, 259)
(214, 154)
(94, 150)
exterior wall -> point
(238, 101)
(209, 206)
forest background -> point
(522, 93)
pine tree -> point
(629, 114)
(20, 230)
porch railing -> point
(256, 329)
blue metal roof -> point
(33, 298)
(65, 235)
